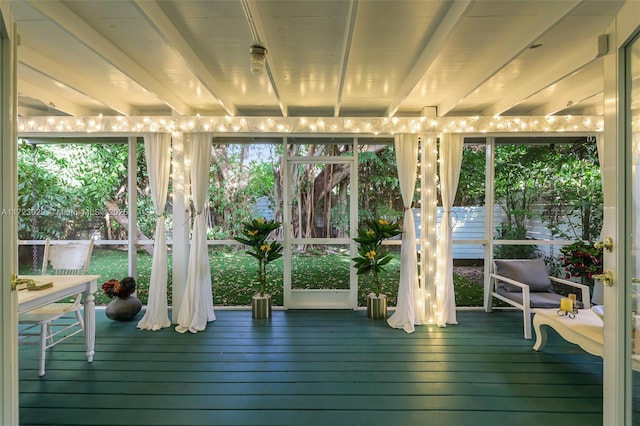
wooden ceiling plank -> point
(575, 97)
(454, 15)
(73, 24)
(346, 52)
(165, 28)
(574, 61)
(496, 59)
(62, 74)
(259, 34)
(53, 100)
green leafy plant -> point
(581, 260)
(254, 235)
(371, 256)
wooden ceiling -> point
(327, 58)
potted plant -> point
(582, 260)
(124, 305)
(372, 258)
(254, 235)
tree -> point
(574, 203)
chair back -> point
(71, 258)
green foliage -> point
(254, 235)
(371, 256)
(378, 185)
(471, 185)
(514, 231)
(68, 186)
(574, 202)
(261, 179)
(564, 178)
(45, 193)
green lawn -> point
(233, 276)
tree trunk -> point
(123, 220)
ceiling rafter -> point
(53, 100)
(74, 25)
(497, 59)
(352, 16)
(165, 28)
(454, 15)
(62, 74)
(575, 60)
(259, 35)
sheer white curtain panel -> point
(407, 312)
(197, 303)
(450, 163)
(157, 152)
(428, 223)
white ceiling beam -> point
(260, 36)
(455, 14)
(570, 98)
(165, 28)
(574, 60)
(352, 15)
(73, 24)
(511, 47)
(62, 74)
(52, 100)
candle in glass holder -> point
(566, 304)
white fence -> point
(468, 224)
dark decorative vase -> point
(123, 308)
(377, 306)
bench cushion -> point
(532, 272)
(544, 300)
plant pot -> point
(377, 306)
(261, 306)
(123, 308)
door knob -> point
(607, 244)
(606, 277)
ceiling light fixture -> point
(258, 58)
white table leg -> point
(541, 333)
(90, 325)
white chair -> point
(526, 284)
(55, 323)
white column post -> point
(132, 212)
(489, 199)
(353, 224)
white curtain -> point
(197, 303)
(428, 222)
(450, 162)
(157, 151)
(407, 313)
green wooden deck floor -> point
(314, 368)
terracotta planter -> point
(261, 306)
(123, 308)
(377, 306)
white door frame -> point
(320, 299)
(617, 329)
(8, 221)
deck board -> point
(314, 368)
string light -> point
(281, 125)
